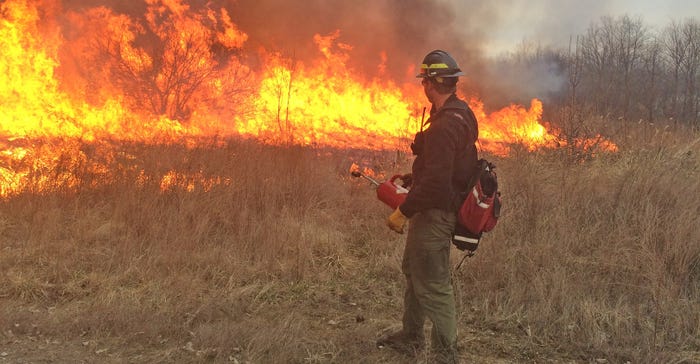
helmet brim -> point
(426, 75)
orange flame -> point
(178, 74)
(326, 104)
(510, 125)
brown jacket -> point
(446, 158)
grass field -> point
(235, 252)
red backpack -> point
(480, 210)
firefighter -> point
(445, 158)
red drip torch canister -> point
(390, 193)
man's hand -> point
(396, 221)
(407, 180)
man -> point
(446, 157)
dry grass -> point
(288, 259)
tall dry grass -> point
(280, 256)
(599, 259)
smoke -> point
(512, 81)
(406, 30)
(132, 8)
(388, 35)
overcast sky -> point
(555, 21)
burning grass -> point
(254, 253)
(130, 233)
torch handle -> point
(371, 180)
(359, 174)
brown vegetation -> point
(280, 256)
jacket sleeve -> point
(434, 188)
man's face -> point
(428, 88)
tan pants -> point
(426, 264)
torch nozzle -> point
(370, 179)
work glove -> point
(396, 221)
(406, 180)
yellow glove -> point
(396, 221)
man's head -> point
(440, 73)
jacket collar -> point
(452, 102)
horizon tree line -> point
(622, 68)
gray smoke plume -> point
(403, 30)
(406, 30)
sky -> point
(554, 22)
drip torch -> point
(389, 192)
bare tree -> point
(676, 51)
(682, 45)
(630, 40)
(575, 65)
(691, 69)
(650, 80)
(597, 50)
(162, 63)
